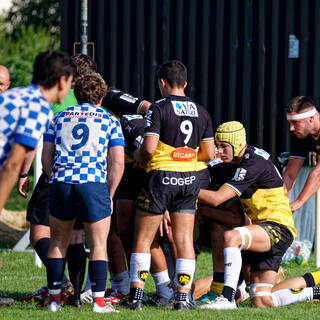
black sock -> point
(228, 293)
(42, 248)
(76, 257)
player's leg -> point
(182, 226)
(145, 229)
(76, 258)
(119, 274)
(60, 237)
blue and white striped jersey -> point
(24, 116)
(82, 135)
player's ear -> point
(185, 84)
(62, 82)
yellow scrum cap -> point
(234, 133)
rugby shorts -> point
(281, 239)
(166, 190)
(88, 201)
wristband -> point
(23, 175)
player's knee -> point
(231, 238)
(260, 294)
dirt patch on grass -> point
(13, 225)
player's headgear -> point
(234, 133)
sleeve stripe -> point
(207, 139)
(151, 134)
(237, 191)
(296, 157)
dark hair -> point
(83, 65)
(90, 88)
(174, 71)
(299, 103)
(49, 66)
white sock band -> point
(139, 267)
(161, 277)
(97, 294)
(184, 272)
(302, 115)
(243, 233)
(264, 289)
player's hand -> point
(296, 205)
(23, 183)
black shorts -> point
(130, 184)
(39, 208)
(203, 177)
(166, 190)
(281, 239)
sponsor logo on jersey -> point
(138, 142)
(143, 274)
(183, 278)
(148, 119)
(130, 117)
(127, 97)
(262, 153)
(81, 114)
(183, 154)
(240, 174)
(178, 181)
(185, 108)
(296, 290)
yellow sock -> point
(216, 287)
(316, 277)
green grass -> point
(19, 277)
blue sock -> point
(55, 272)
(98, 272)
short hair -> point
(49, 66)
(90, 88)
(174, 71)
(299, 103)
(83, 65)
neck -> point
(49, 94)
(176, 92)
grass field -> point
(19, 277)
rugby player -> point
(25, 115)
(78, 178)
(304, 121)
(176, 127)
(260, 188)
(213, 222)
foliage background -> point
(27, 28)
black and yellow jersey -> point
(133, 131)
(180, 124)
(260, 187)
(301, 147)
(121, 103)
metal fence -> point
(246, 58)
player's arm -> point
(311, 185)
(115, 168)
(290, 174)
(10, 170)
(47, 156)
(146, 150)
(23, 182)
(206, 151)
(215, 198)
